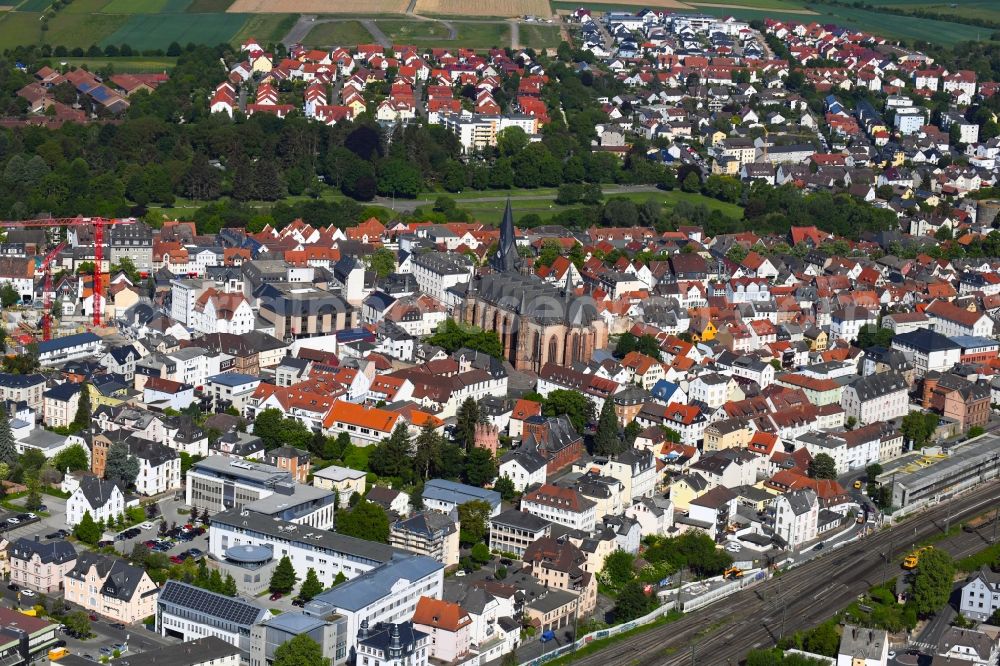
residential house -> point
(102, 499)
(111, 587)
(40, 565)
(429, 533)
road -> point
(799, 599)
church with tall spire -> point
(537, 322)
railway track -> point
(724, 632)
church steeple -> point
(506, 259)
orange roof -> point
(365, 417)
(440, 614)
(524, 409)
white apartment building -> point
(564, 506)
(103, 499)
(878, 397)
(436, 272)
(796, 516)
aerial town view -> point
(440, 333)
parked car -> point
(276, 596)
(93, 617)
(27, 593)
(13, 521)
(14, 586)
(195, 552)
(118, 646)
(298, 601)
(149, 543)
(105, 542)
(147, 525)
(53, 535)
(32, 516)
(118, 625)
(106, 651)
(42, 507)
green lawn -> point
(265, 28)
(901, 27)
(157, 31)
(338, 33)
(402, 31)
(482, 35)
(538, 36)
(755, 4)
(524, 202)
(137, 64)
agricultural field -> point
(208, 6)
(972, 9)
(145, 6)
(481, 34)
(358, 7)
(506, 8)
(157, 31)
(337, 33)
(265, 28)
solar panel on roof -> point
(210, 603)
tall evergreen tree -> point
(229, 586)
(608, 440)
(310, 586)
(392, 456)
(81, 421)
(283, 579)
(8, 452)
(465, 424)
(121, 466)
(428, 451)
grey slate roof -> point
(49, 552)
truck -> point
(55, 654)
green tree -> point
(576, 406)
(481, 553)
(619, 569)
(8, 295)
(465, 424)
(480, 467)
(626, 344)
(365, 520)
(975, 431)
(871, 335)
(511, 141)
(691, 182)
(823, 466)
(391, 457)
(229, 586)
(918, 427)
(608, 440)
(77, 624)
(824, 640)
(81, 421)
(300, 651)
(933, 581)
(633, 602)
(73, 458)
(428, 451)
(505, 487)
(382, 261)
(473, 518)
(33, 500)
(121, 467)
(87, 530)
(398, 178)
(873, 471)
(284, 578)
(310, 586)
(8, 452)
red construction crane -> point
(98, 224)
(47, 291)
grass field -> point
(538, 36)
(137, 64)
(482, 35)
(338, 33)
(265, 28)
(976, 9)
(403, 31)
(157, 31)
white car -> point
(13, 521)
(891, 654)
(733, 547)
(32, 516)
(25, 592)
(147, 525)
